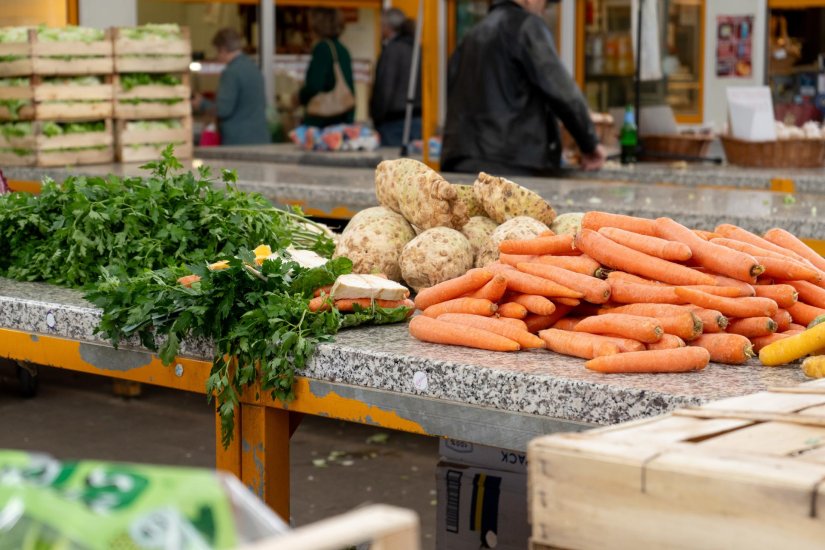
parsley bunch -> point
(69, 232)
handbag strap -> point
(334, 51)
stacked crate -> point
(151, 115)
(42, 76)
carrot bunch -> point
(633, 295)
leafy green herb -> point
(16, 129)
(10, 58)
(152, 31)
(13, 106)
(162, 124)
(15, 82)
(789, 199)
(52, 129)
(14, 35)
(72, 81)
(19, 151)
(72, 56)
(70, 34)
(131, 80)
(69, 232)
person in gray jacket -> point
(240, 105)
(392, 79)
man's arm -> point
(545, 70)
(227, 99)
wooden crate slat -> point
(767, 402)
(64, 158)
(127, 46)
(53, 92)
(12, 159)
(16, 92)
(151, 65)
(86, 139)
(673, 428)
(168, 135)
(20, 67)
(91, 66)
(78, 111)
(155, 91)
(152, 110)
(149, 152)
(25, 113)
(26, 142)
(101, 48)
(15, 48)
(769, 438)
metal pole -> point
(266, 24)
(638, 99)
(408, 114)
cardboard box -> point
(480, 508)
(497, 458)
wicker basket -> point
(785, 153)
(605, 131)
(684, 145)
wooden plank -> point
(71, 158)
(154, 91)
(101, 48)
(68, 92)
(149, 45)
(755, 416)
(769, 438)
(51, 67)
(151, 65)
(25, 113)
(144, 153)
(76, 111)
(87, 139)
(13, 159)
(16, 92)
(766, 401)
(152, 110)
(265, 455)
(15, 48)
(19, 67)
(25, 142)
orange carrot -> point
(572, 302)
(536, 323)
(668, 341)
(787, 269)
(617, 256)
(469, 282)
(493, 290)
(547, 233)
(518, 323)
(648, 310)
(721, 280)
(762, 341)
(635, 327)
(586, 346)
(625, 344)
(497, 326)
(596, 220)
(624, 292)
(719, 259)
(803, 313)
(787, 241)
(739, 234)
(654, 246)
(558, 244)
(665, 360)
(580, 264)
(515, 259)
(568, 323)
(809, 293)
(432, 330)
(512, 310)
(726, 291)
(325, 303)
(783, 295)
(189, 280)
(748, 248)
(475, 306)
(752, 327)
(783, 320)
(731, 349)
(712, 320)
(613, 275)
(593, 290)
(531, 284)
(796, 327)
(535, 304)
(687, 326)
(706, 235)
(324, 290)
(731, 307)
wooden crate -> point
(142, 145)
(20, 67)
(126, 47)
(746, 472)
(46, 150)
(152, 110)
(17, 92)
(71, 158)
(43, 64)
(8, 158)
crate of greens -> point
(70, 51)
(72, 97)
(151, 95)
(16, 98)
(15, 52)
(18, 144)
(49, 143)
(141, 140)
(152, 49)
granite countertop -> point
(386, 358)
(290, 154)
(329, 189)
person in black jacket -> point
(392, 79)
(506, 89)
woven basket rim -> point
(725, 137)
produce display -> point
(628, 294)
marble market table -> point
(372, 375)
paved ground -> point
(336, 466)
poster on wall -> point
(734, 46)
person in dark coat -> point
(392, 79)
(507, 91)
(240, 105)
(327, 24)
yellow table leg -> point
(265, 455)
(783, 185)
(125, 388)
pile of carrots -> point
(632, 295)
